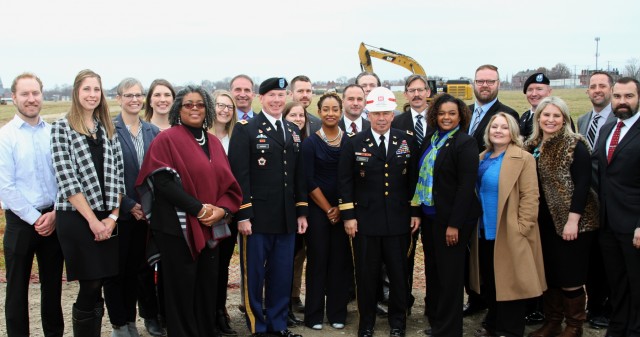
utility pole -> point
(597, 43)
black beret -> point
(536, 78)
(274, 83)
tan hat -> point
(381, 99)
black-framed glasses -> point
(223, 106)
(190, 105)
(487, 82)
(132, 96)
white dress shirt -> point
(627, 125)
(347, 124)
(424, 120)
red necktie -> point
(354, 128)
(614, 141)
(245, 116)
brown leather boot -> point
(575, 315)
(552, 307)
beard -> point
(624, 111)
(483, 100)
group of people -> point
(511, 208)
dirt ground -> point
(415, 323)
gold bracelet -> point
(204, 212)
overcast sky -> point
(189, 41)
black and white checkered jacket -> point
(75, 172)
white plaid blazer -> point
(75, 172)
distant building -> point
(517, 80)
(586, 73)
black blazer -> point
(365, 124)
(270, 173)
(495, 108)
(374, 190)
(130, 159)
(619, 182)
(454, 180)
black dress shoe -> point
(484, 332)
(471, 308)
(154, 328)
(292, 320)
(365, 333)
(223, 324)
(381, 310)
(396, 333)
(242, 308)
(284, 333)
(599, 322)
(297, 304)
(534, 318)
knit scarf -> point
(424, 188)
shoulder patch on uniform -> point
(351, 134)
(243, 121)
(410, 133)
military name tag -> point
(262, 146)
(362, 159)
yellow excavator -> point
(457, 88)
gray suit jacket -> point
(584, 120)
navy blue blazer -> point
(130, 159)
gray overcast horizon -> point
(187, 42)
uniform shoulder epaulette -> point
(351, 134)
(243, 121)
(410, 133)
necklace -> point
(202, 139)
(329, 141)
(95, 127)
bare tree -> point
(559, 71)
(632, 69)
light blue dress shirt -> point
(27, 180)
(484, 109)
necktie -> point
(419, 130)
(383, 149)
(477, 113)
(614, 141)
(245, 116)
(354, 128)
(593, 129)
(279, 129)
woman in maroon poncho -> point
(188, 193)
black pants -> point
(622, 264)
(369, 253)
(21, 243)
(190, 287)
(328, 256)
(505, 318)
(444, 272)
(121, 291)
(597, 286)
(225, 251)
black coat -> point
(495, 108)
(619, 181)
(374, 190)
(454, 180)
(270, 173)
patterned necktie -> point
(593, 129)
(383, 150)
(419, 130)
(614, 142)
(279, 129)
(477, 113)
(245, 116)
(354, 128)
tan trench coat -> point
(519, 269)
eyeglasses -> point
(416, 90)
(132, 96)
(190, 106)
(487, 82)
(223, 106)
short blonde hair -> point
(514, 130)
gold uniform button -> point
(386, 165)
(386, 174)
(386, 184)
(285, 162)
(285, 184)
(285, 173)
(284, 151)
(386, 193)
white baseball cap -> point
(381, 99)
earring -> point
(179, 121)
(204, 125)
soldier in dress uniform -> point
(377, 180)
(265, 156)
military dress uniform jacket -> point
(270, 173)
(378, 191)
